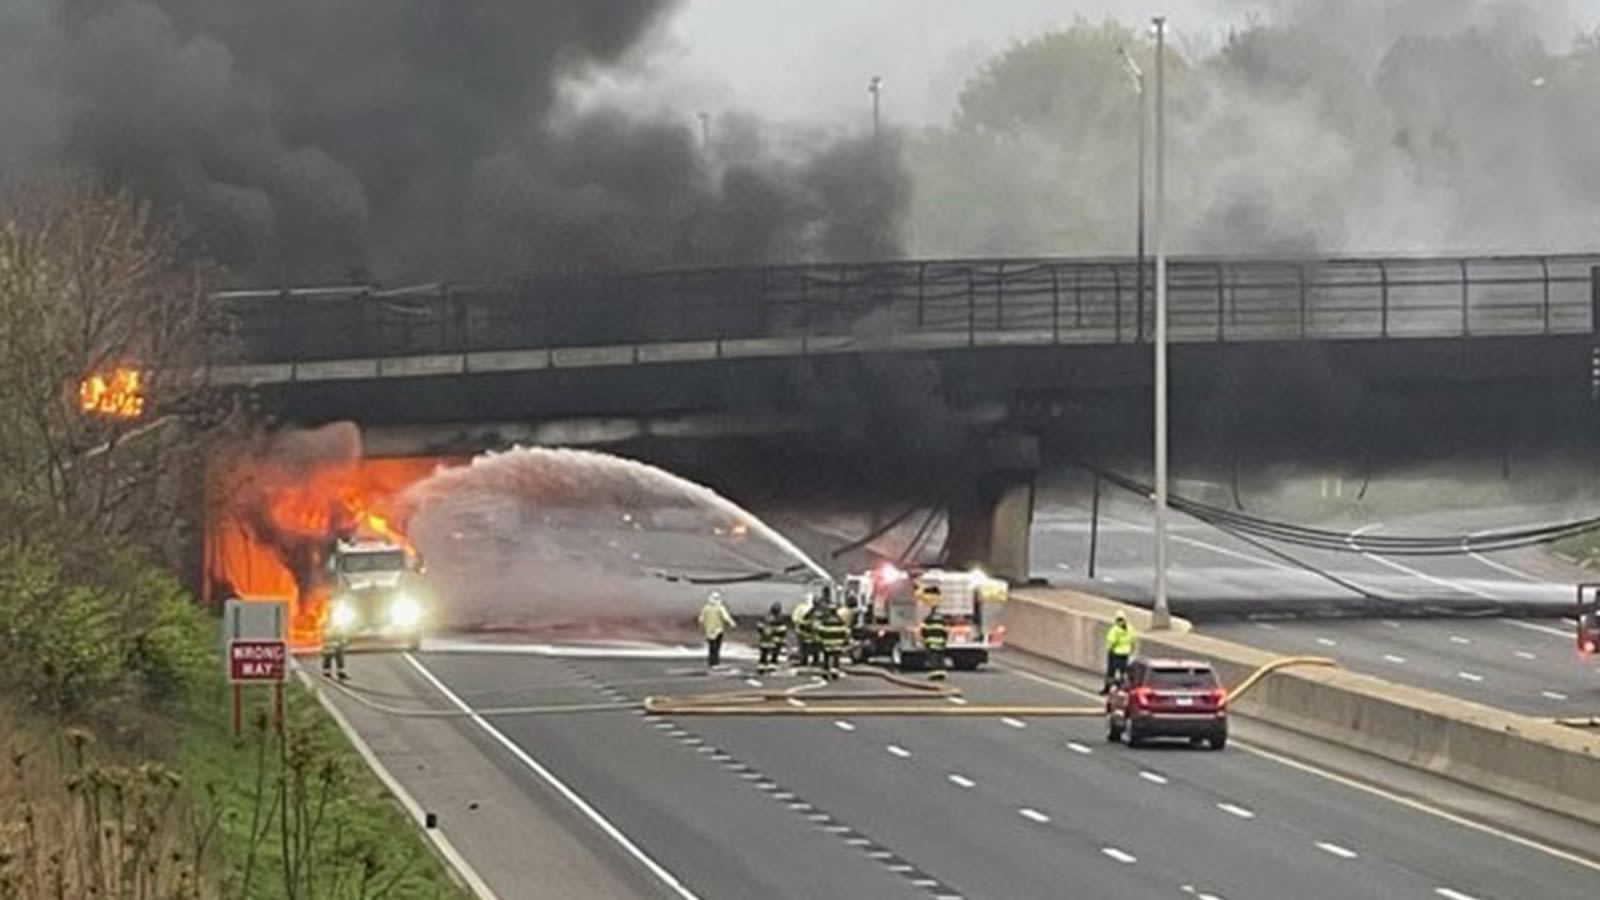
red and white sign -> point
(257, 661)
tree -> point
(104, 331)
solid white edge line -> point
(593, 815)
(1542, 629)
(1355, 784)
(436, 836)
(1352, 540)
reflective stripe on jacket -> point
(935, 634)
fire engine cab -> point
(894, 603)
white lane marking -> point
(962, 781)
(897, 750)
(1397, 660)
(753, 682)
(1523, 654)
(1543, 629)
(1078, 748)
(1553, 695)
(881, 854)
(819, 817)
(1153, 778)
(1448, 894)
(1064, 567)
(1014, 723)
(1266, 626)
(1223, 551)
(593, 815)
(661, 725)
(1498, 566)
(1390, 623)
(1327, 642)
(1336, 850)
(842, 725)
(924, 882)
(1399, 567)
(901, 867)
(959, 701)
(796, 701)
(1200, 895)
(1458, 639)
(1121, 856)
(1033, 815)
(1233, 810)
(1353, 784)
(1469, 676)
(859, 842)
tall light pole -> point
(875, 88)
(1161, 615)
(1137, 74)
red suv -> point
(1168, 698)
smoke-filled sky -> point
(306, 140)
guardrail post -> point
(1383, 299)
(1222, 303)
(1466, 319)
(1055, 303)
(1544, 268)
(1116, 300)
(972, 309)
(1305, 301)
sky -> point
(810, 60)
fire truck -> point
(378, 595)
(893, 604)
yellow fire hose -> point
(846, 703)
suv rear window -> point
(1188, 678)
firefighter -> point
(333, 646)
(1120, 643)
(832, 636)
(771, 632)
(802, 612)
(715, 622)
(856, 619)
(935, 638)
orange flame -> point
(270, 528)
(119, 395)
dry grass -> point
(75, 823)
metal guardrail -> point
(944, 304)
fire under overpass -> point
(1335, 357)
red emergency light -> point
(888, 573)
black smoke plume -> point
(303, 140)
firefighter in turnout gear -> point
(797, 621)
(935, 637)
(771, 632)
(333, 644)
(810, 641)
(832, 636)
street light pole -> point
(875, 88)
(1137, 75)
(1161, 615)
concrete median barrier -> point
(1531, 760)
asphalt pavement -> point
(924, 807)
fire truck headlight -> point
(343, 614)
(405, 612)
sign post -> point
(257, 652)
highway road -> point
(904, 807)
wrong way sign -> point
(257, 662)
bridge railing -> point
(930, 304)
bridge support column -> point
(992, 521)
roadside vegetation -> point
(121, 777)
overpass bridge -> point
(1323, 349)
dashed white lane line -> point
(1200, 895)
(897, 750)
(1080, 749)
(1354, 544)
(1390, 623)
(1458, 639)
(1449, 894)
(1327, 642)
(1033, 815)
(962, 781)
(1545, 629)
(842, 725)
(1014, 723)
(1552, 695)
(959, 701)
(1153, 778)
(796, 701)
(1121, 856)
(1234, 810)
(1523, 654)
(1266, 626)
(1469, 676)
(1397, 660)
(1336, 850)
(753, 682)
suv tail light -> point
(1216, 696)
(1141, 696)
